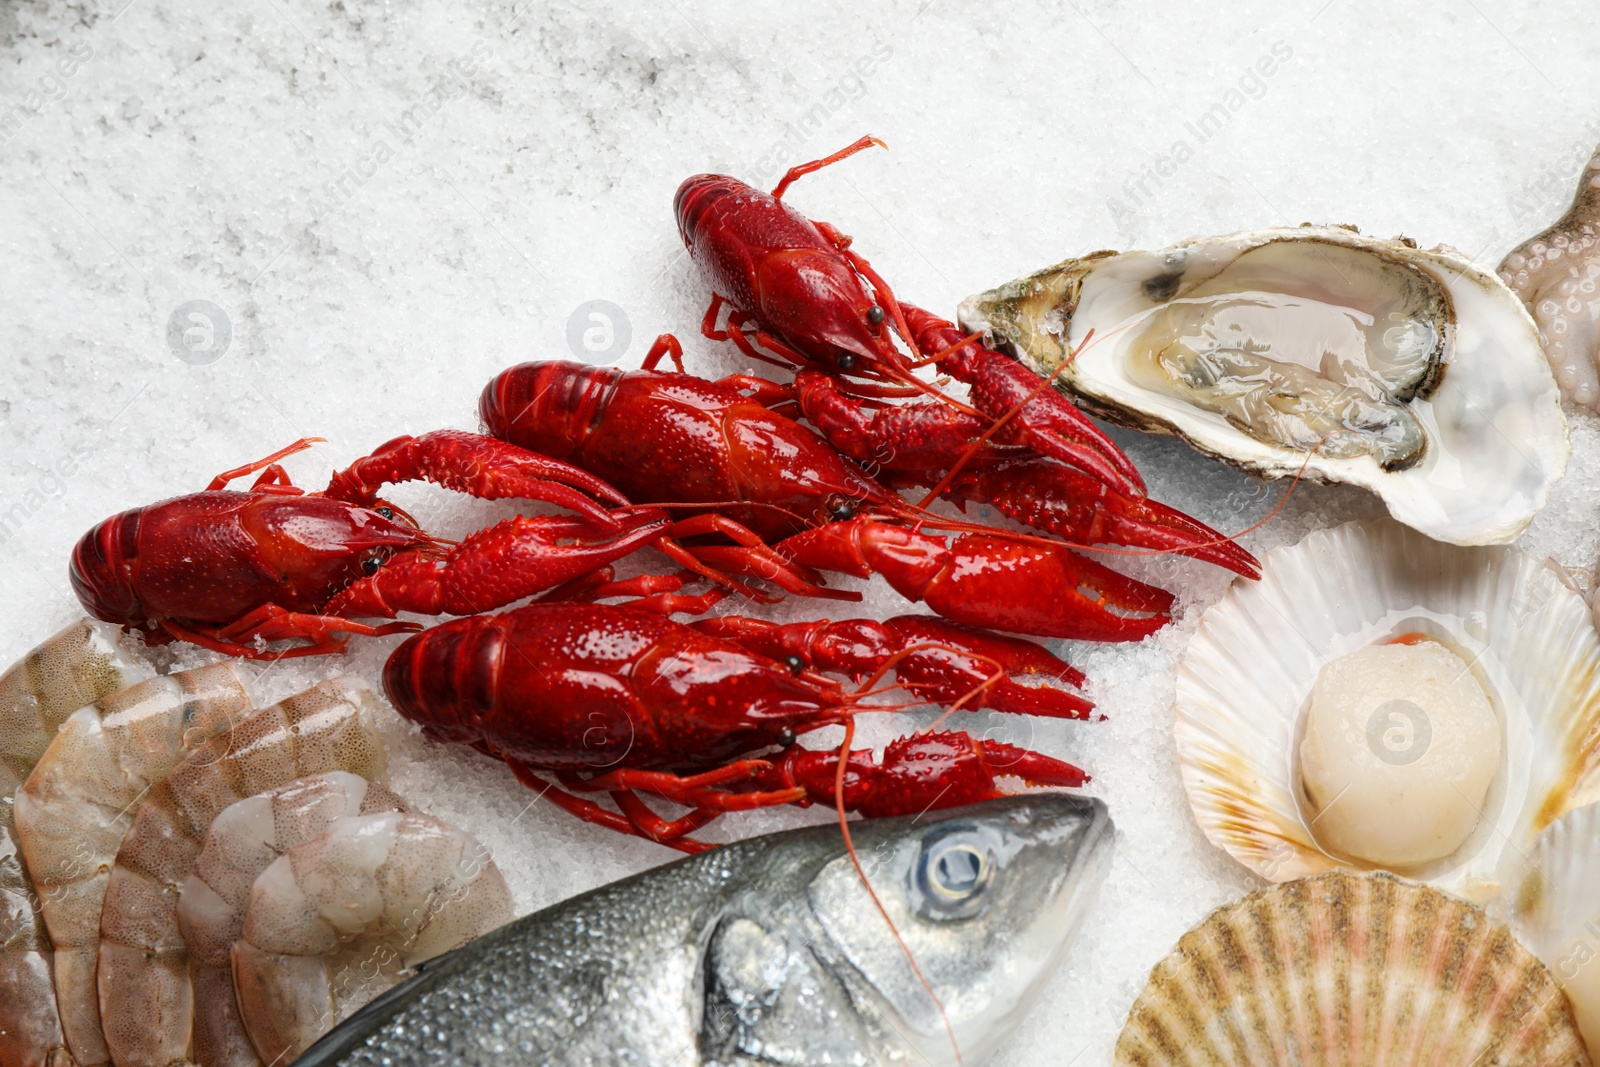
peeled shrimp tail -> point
(146, 1007)
(375, 890)
(74, 808)
(240, 844)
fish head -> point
(986, 899)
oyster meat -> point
(1412, 373)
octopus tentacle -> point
(1557, 275)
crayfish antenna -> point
(866, 883)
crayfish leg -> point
(590, 812)
(795, 173)
(326, 634)
(265, 462)
(648, 824)
(665, 345)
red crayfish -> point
(803, 288)
(672, 439)
(228, 569)
(621, 700)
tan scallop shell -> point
(1554, 907)
(1250, 666)
(1348, 970)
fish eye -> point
(874, 315)
(954, 875)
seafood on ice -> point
(1383, 701)
(150, 992)
(1553, 907)
(78, 665)
(1350, 969)
(616, 699)
(241, 842)
(1409, 372)
(368, 896)
(1556, 272)
(769, 950)
(74, 808)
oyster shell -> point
(1349, 969)
(1556, 272)
(1250, 667)
(1411, 373)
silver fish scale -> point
(553, 988)
(717, 960)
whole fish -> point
(767, 951)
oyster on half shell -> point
(1411, 373)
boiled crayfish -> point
(804, 290)
(612, 698)
(672, 439)
(798, 290)
(228, 570)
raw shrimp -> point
(146, 1007)
(361, 900)
(242, 841)
(74, 808)
(30, 1029)
(76, 666)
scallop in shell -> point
(1554, 906)
(1409, 372)
(1358, 970)
(1246, 682)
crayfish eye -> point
(794, 663)
(846, 361)
(385, 511)
(842, 510)
(370, 565)
(874, 315)
(785, 737)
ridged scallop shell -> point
(1250, 667)
(1554, 905)
(1346, 969)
